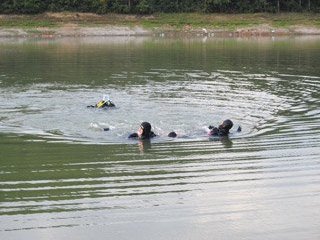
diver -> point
(144, 132)
(104, 103)
(222, 129)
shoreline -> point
(67, 31)
(55, 25)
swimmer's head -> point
(226, 125)
(172, 134)
(145, 129)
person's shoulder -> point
(214, 131)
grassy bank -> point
(231, 22)
(185, 21)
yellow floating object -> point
(100, 104)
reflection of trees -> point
(99, 62)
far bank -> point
(187, 24)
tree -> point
(309, 5)
(217, 5)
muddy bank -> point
(76, 31)
(68, 31)
(53, 25)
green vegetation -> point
(203, 20)
(157, 6)
(186, 21)
(166, 14)
(27, 22)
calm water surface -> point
(62, 177)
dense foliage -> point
(152, 6)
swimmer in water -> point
(144, 132)
(104, 103)
(172, 134)
(222, 130)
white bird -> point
(205, 30)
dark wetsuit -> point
(214, 131)
(144, 132)
(136, 136)
(103, 104)
(223, 129)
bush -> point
(143, 7)
(150, 6)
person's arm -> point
(133, 135)
(213, 131)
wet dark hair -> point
(146, 129)
(226, 125)
(172, 134)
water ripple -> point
(263, 181)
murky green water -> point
(62, 177)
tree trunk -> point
(278, 5)
(309, 5)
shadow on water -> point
(225, 140)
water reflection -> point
(225, 140)
(144, 145)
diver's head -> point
(226, 125)
(144, 130)
(172, 134)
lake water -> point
(63, 177)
